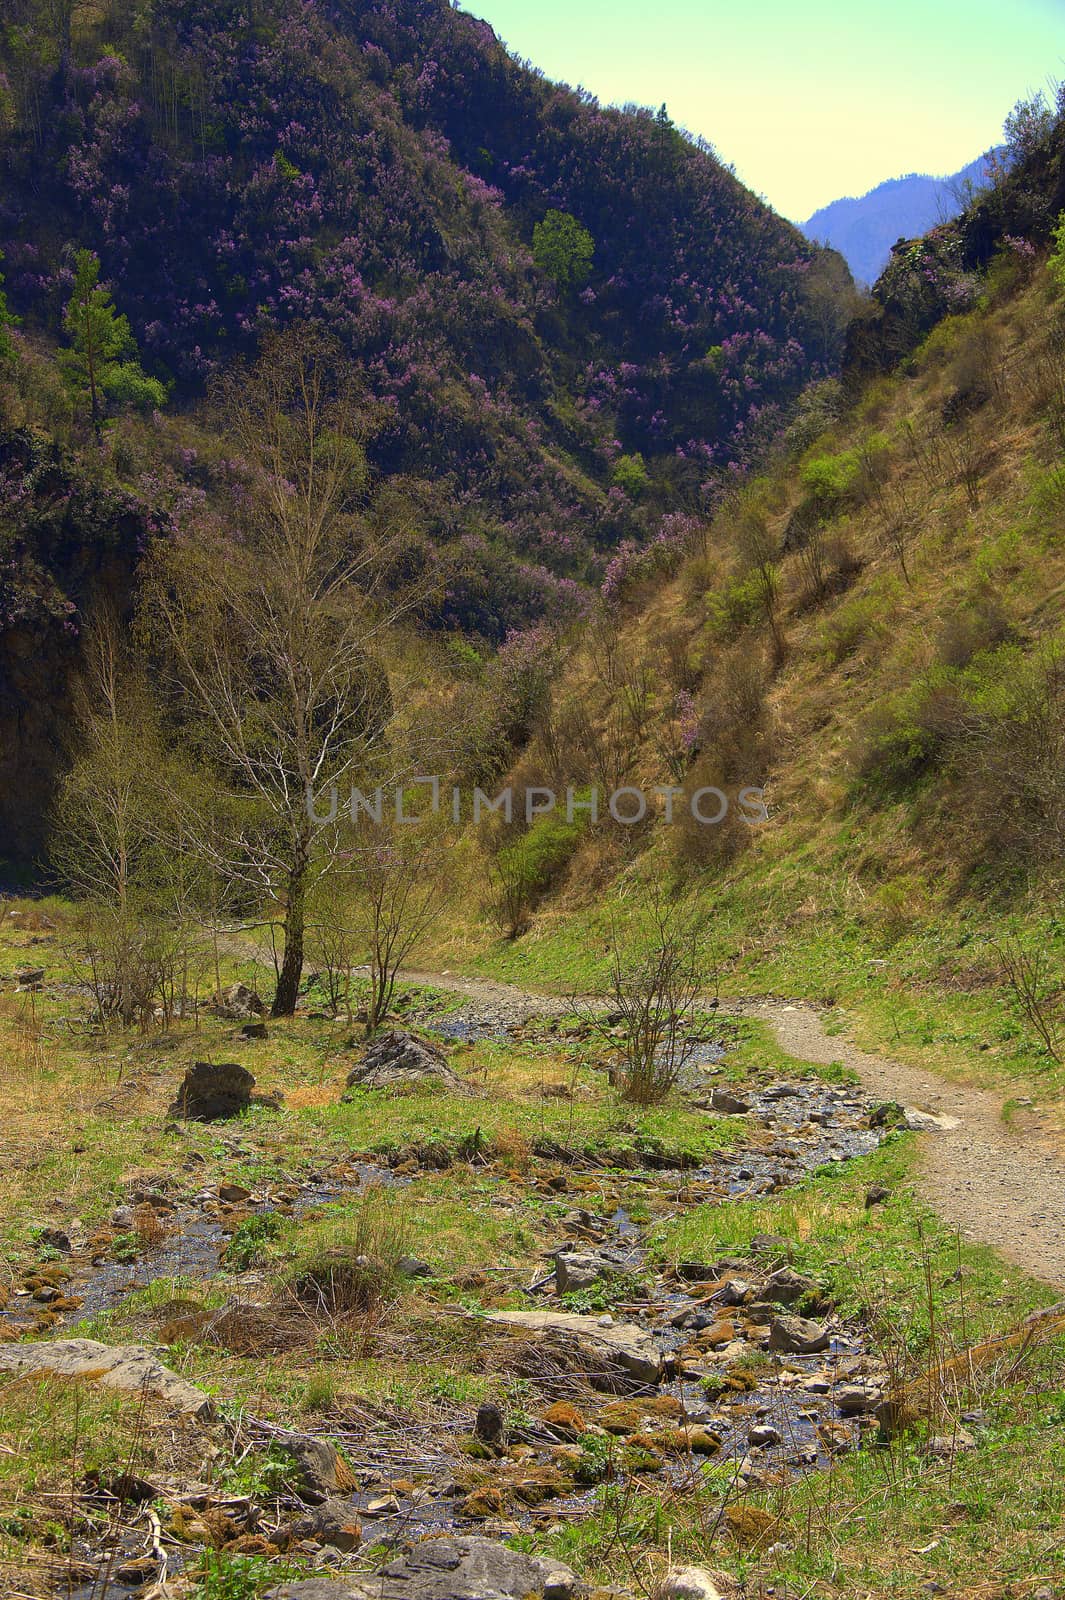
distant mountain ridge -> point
(863, 229)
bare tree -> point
(656, 978)
(398, 874)
(274, 634)
(1037, 990)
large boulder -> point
(127, 1367)
(211, 1091)
(447, 1569)
(397, 1060)
(240, 1004)
(619, 1344)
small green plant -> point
(227, 1576)
(320, 1392)
(260, 1473)
(125, 1247)
(246, 1247)
(596, 1458)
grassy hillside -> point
(873, 633)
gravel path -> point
(1000, 1184)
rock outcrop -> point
(447, 1569)
(398, 1061)
(128, 1367)
(621, 1344)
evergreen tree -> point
(102, 362)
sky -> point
(808, 99)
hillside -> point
(872, 630)
(863, 229)
(382, 170)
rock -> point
(696, 1272)
(122, 1217)
(687, 1583)
(411, 1267)
(335, 1523)
(29, 978)
(729, 1104)
(489, 1424)
(785, 1286)
(211, 1091)
(875, 1195)
(928, 1122)
(446, 1569)
(769, 1244)
(233, 1193)
(797, 1336)
(853, 1399)
(623, 1344)
(887, 1115)
(763, 1437)
(734, 1292)
(947, 1445)
(129, 1367)
(397, 1060)
(576, 1270)
(255, 1030)
(323, 1469)
(54, 1239)
(240, 1002)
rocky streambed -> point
(723, 1375)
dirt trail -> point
(1000, 1184)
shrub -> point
(525, 869)
(654, 983)
(1056, 261)
(630, 474)
(828, 480)
(860, 618)
(902, 739)
(563, 249)
(973, 626)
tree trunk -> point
(288, 983)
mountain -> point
(572, 324)
(863, 230)
(383, 169)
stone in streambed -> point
(447, 1569)
(797, 1336)
(129, 1368)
